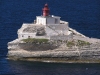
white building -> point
(44, 20)
(46, 26)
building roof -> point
(49, 16)
(32, 29)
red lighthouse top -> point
(45, 10)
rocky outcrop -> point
(56, 51)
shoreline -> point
(53, 60)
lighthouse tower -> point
(45, 10)
(46, 18)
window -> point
(28, 36)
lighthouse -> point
(46, 26)
(46, 18)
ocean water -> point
(82, 15)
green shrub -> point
(77, 43)
(34, 40)
(82, 43)
(70, 43)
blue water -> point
(82, 15)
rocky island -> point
(50, 39)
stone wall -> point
(62, 37)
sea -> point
(82, 15)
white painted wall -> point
(47, 20)
(26, 35)
(41, 20)
(32, 35)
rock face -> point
(59, 54)
(37, 47)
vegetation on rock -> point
(70, 43)
(82, 43)
(35, 40)
(77, 43)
